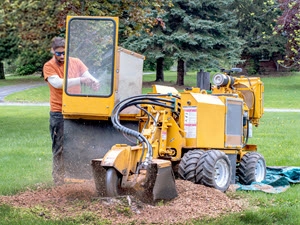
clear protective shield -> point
(90, 57)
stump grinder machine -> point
(129, 142)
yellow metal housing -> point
(251, 90)
(106, 62)
(136, 141)
(203, 120)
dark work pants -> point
(57, 136)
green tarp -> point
(278, 179)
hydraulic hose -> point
(153, 99)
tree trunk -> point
(160, 69)
(180, 72)
(2, 75)
(82, 3)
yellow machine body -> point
(203, 120)
(87, 112)
(142, 142)
(106, 62)
(212, 121)
(250, 89)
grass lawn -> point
(25, 156)
(25, 150)
(12, 80)
(280, 92)
(278, 138)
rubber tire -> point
(252, 168)
(113, 183)
(214, 170)
(188, 163)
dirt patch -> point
(71, 200)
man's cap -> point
(57, 42)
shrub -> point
(30, 61)
(26, 70)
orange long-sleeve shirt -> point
(75, 69)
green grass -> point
(25, 150)
(14, 216)
(25, 156)
(265, 209)
(38, 94)
(280, 92)
(171, 77)
(12, 80)
(277, 138)
(25, 159)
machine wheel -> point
(113, 183)
(252, 168)
(187, 165)
(214, 170)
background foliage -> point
(288, 26)
(195, 32)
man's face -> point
(59, 54)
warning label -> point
(190, 121)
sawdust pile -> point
(71, 200)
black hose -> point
(152, 99)
(247, 136)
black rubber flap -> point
(164, 187)
(85, 140)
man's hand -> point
(95, 85)
(89, 82)
(86, 81)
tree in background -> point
(36, 22)
(192, 31)
(8, 50)
(256, 23)
(288, 25)
(8, 44)
(202, 32)
(152, 44)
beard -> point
(60, 60)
